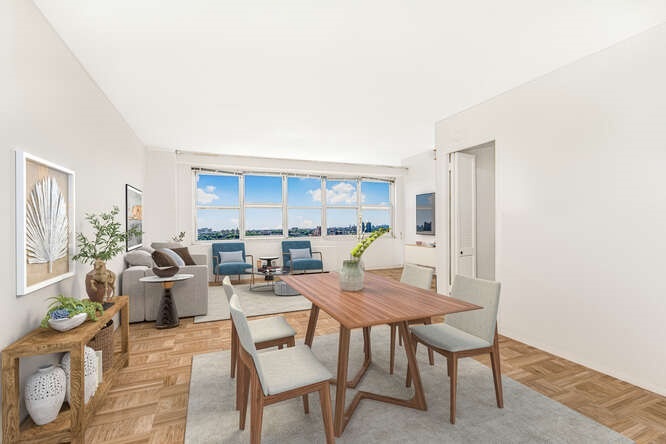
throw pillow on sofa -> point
(184, 253)
(174, 256)
(139, 258)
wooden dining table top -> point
(381, 301)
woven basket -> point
(103, 341)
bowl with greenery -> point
(65, 313)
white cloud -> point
(315, 194)
(307, 223)
(342, 192)
(210, 188)
(205, 198)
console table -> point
(70, 425)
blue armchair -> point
(234, 261)
(302, 261)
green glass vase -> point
(351, 275)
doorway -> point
(472, 212)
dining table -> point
(381, 301)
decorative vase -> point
(45, 393)
(351, 275)
(89, 370)
(100, 282)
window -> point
(235, 206)
(218, 206)
(263, 206)
(304, 205)
(375, 205)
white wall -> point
(420, 179)
(169, 203)
(52, 109)
(581, 207)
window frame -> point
(285, 207)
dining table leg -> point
(418, 400)
(340, 389)
(312, 325)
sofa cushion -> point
(300, 253)
(162, 259)
(173, 255)
(231, 256)
(139, 258)
(184, 253)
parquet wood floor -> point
(148, 401)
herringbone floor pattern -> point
(148, 401)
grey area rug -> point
(254, 303)
(528, 417)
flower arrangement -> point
(64, 307)
(178, 237)
(364, 244)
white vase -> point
(89, 370)
(45, 393)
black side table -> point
(167, 314)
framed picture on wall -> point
(45, 240)
(133, 215)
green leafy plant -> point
(64, 306)
(109, 238)
(364, 244)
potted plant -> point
(108, 241)
(65, 313)
(351, 274)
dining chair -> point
(229, 258)
(466, 334)
(275, 376)
(418, 277)
(266, 332)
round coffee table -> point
(167, 314)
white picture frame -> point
(30, 276)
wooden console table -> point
(70, 425)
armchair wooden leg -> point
(326, 412)
(392, 356)
(257, 412)
(497, 372)
(453, 369)
(306, 404)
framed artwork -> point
(45, 239)
(133, 215)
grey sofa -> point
(190, 296)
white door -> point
(463, 215)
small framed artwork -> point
(45, 240)
(133, 215)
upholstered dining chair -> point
(266, 332)
(297, 256)
(420, 277)
(277, 375)
(466, 334)
(229, 259)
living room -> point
(578, 193)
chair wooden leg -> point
(243, 383)
(497, 372)
(453, 369)
(306, 404)
(234, 351)
(257, 412)
(392, 351)
(326, 412)
(279, 346)
(431, 354)
(291, 342)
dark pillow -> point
(185, 254)
(162, 259)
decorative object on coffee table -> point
(45, 393)
(66, 323)
(167, 313)
(107, 242)
(89, 370)
(165, 272)
(45, 212)
(352, 272)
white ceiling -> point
(341, 80)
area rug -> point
(254, 303)
(528, 417)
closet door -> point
(463, 215)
